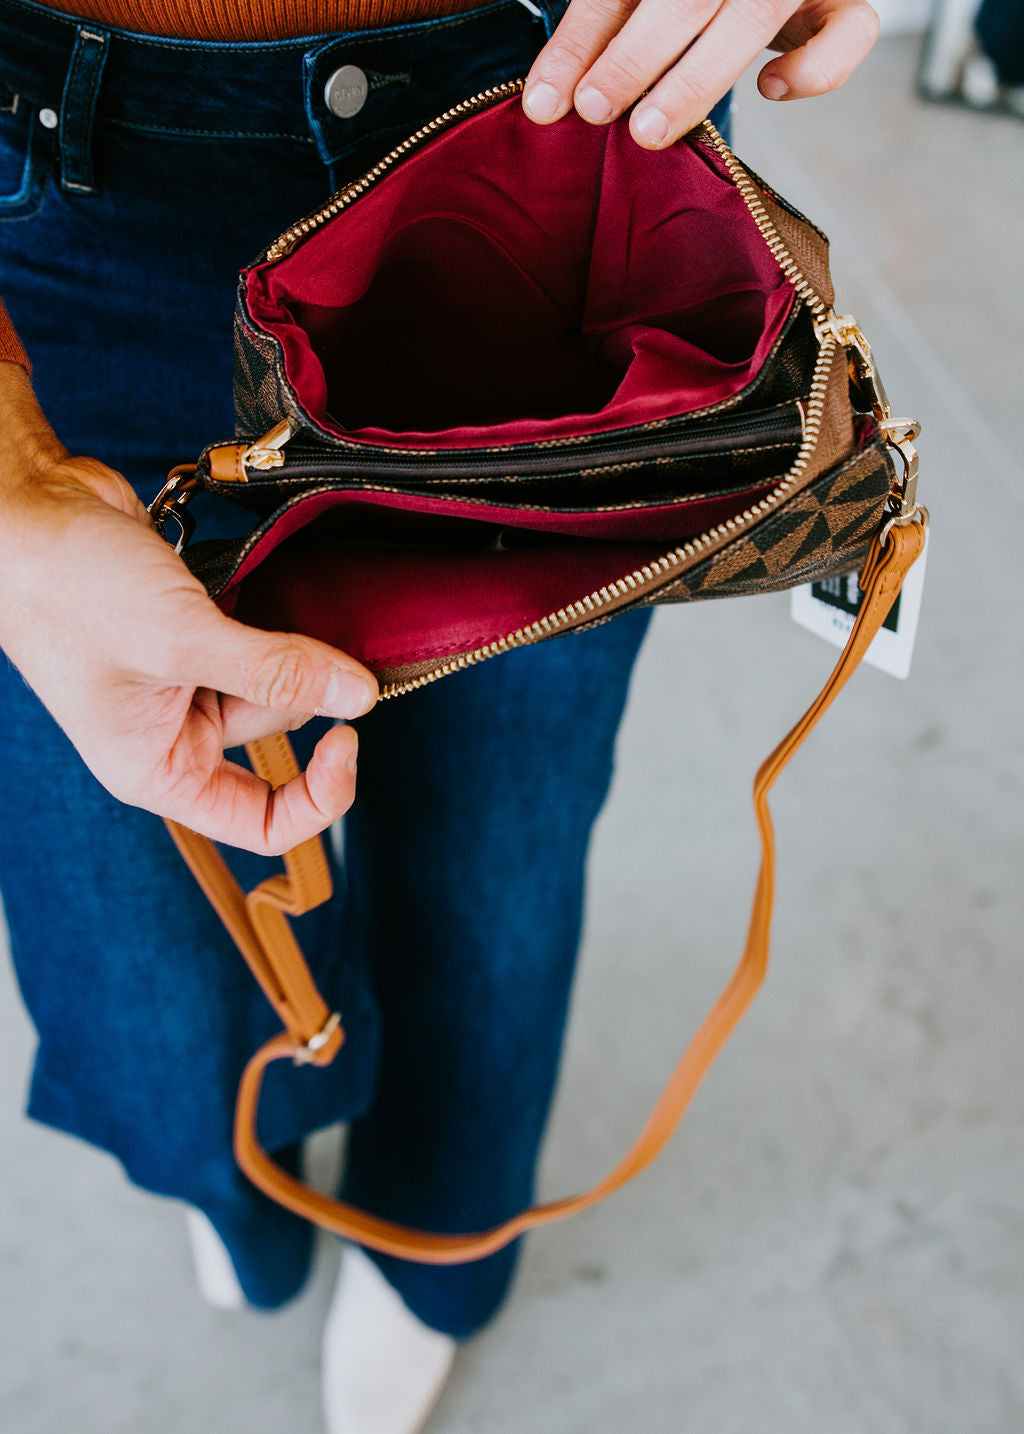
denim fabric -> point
(1000, 28)
(451, 942)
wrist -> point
(42, 486)
(28, 444)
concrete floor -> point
(835, 1242)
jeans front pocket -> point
(25, 149)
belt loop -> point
(78, 107)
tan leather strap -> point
(257, 922)
(274, 966)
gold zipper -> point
(591, 608)
(595, 605)
(769, 233)
(288, 240)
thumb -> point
(821, 60)
(282, 671)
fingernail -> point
(595, 107)
(773, 87)
(542, 102)
(353, 758)
(650, 125)
(347, 695)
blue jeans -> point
(451, 943)
(1000, 28)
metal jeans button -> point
(345, 92)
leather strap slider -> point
(322, 1047)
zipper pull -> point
(266, 451)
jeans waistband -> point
(81, 75)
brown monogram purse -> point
(514, 381)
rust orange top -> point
(256, 19)
(238, 20)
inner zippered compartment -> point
(624, 470)
(509, 282)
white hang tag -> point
(829, 608)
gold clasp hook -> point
(183, 483)
(845, 329)
(899, 433)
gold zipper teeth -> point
(651, 573)
(286, 242)
(769, 233)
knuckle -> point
(682, 17)
(169, 650)
(104, 482)
(570, 56)
(279, 682)
(684, 98)
(605, 12)
(827, 64)
(867, 18)
(622, 72)
(572, 47)
(170, 654)
(608, 12)
(864, 13)
(822, 76)
(175, 787)
(762, 17)
(279, 834)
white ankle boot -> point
(383, 1369)
(215, 1274)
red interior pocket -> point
(394, 579)
(506, 283)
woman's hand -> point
(147, 677)
(606, 53)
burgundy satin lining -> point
(389, 608)
(511, 282)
